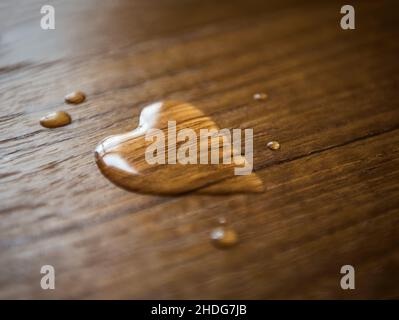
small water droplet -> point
(222, 220)
(224, 237)
(273, 145)
(75, 97)
(56, 119)
(260, 96)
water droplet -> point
(273, 145)
(75, 97)
(223, 237)
(222, 220)
(56, 119)
(260, 96)
(122, 158)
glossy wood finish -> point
(332, 193)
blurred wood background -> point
(332, 190)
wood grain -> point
(332, 193)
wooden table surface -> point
(332, 191)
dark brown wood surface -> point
(332, 193)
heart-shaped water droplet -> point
(140, 161)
